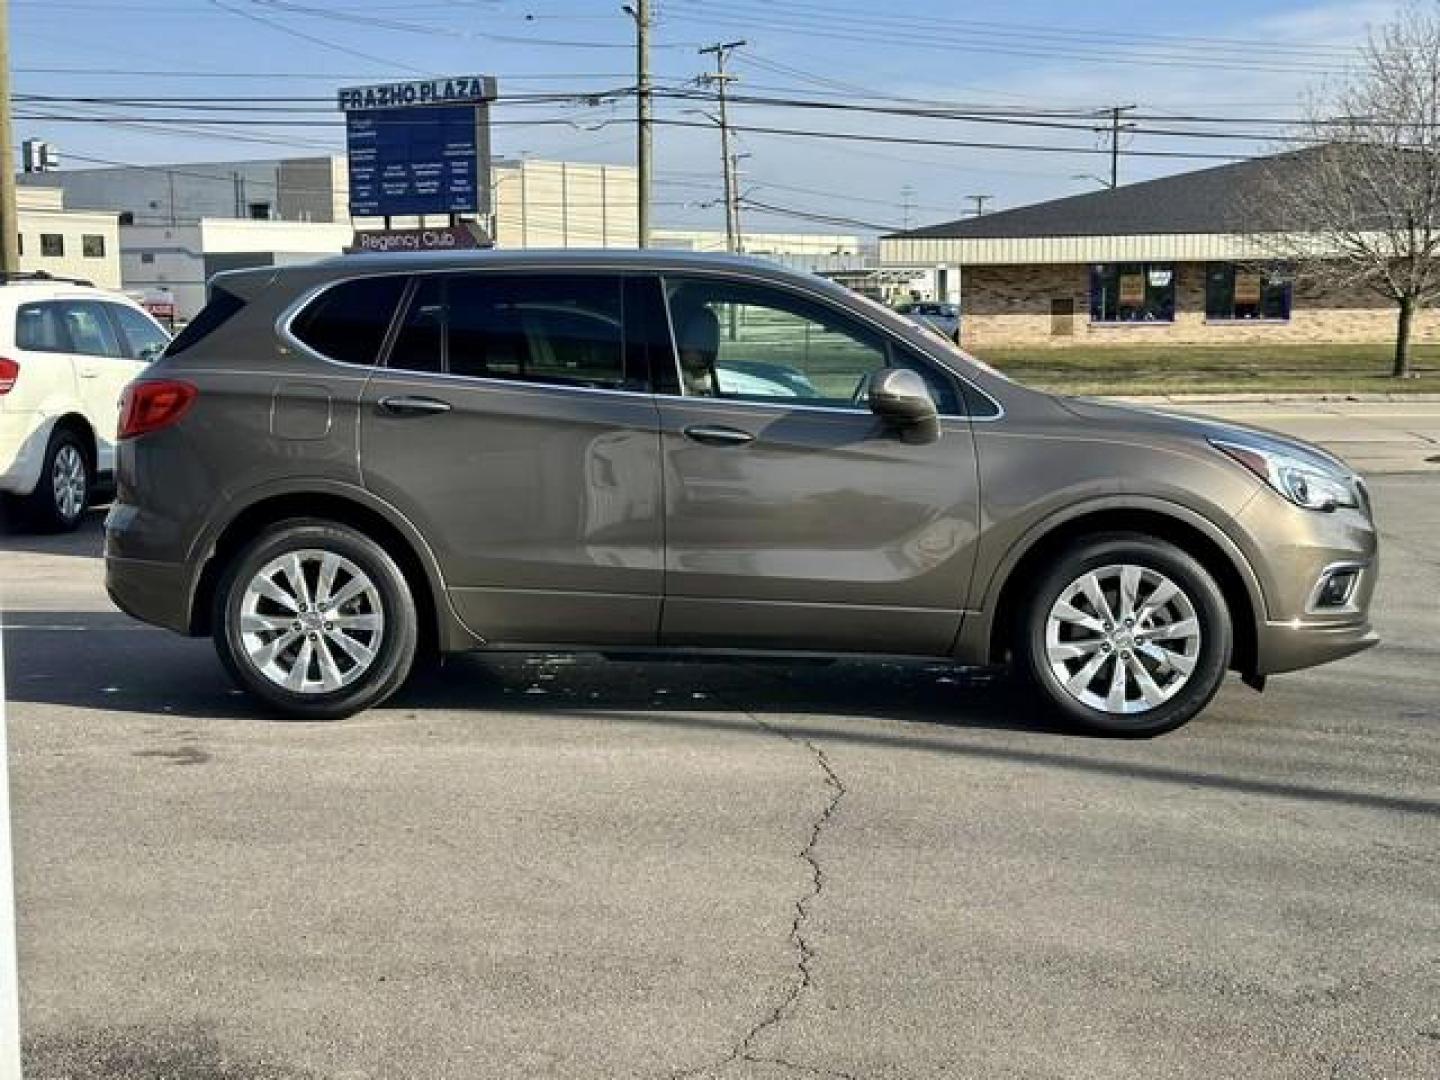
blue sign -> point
(418, 161)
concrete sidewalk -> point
(1373, 436)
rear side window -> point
(40, 328)
(348, 322)
(144, 339)
(555, 329)
(222, 306)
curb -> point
(1246, 398)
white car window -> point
(144, 338)
(90, 331)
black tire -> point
(394, 653)
(1211, 612)
(42, 508)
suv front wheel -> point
(315, 619)
(1126, 635)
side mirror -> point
(900, 398)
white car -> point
(67, 349)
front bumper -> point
(1290, 646)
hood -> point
(1199, 428)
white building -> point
(67, 243)
(156, 260)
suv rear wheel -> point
(1126, 635)
(315, 619)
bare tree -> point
(1361, 207)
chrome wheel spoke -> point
(360, 653)
(272, 590)
(1115, 699)
(1082, 679)
(264, 655)
(1172, 661)
(250, 623)
(1073, 650)
(295, 680)
(1090, 585)
(1129, 588)
(1067, 612)
(352, 588)
(330, 677)
(1150, 691)
(329, 566)
(357, 622)
(1185, 628)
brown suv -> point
(338, 465)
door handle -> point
(89, 373)
(404, 405)
(718, 435)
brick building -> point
(1181, 259)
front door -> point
(795, 519)
(509, 423)
(102, 369)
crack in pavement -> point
(743, 1050)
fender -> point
(452, 631)
(973, 642)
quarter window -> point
(144, 339)
(1132, 292)
(563, 330)
(1247, 292)
(348, 322)
(750, 343)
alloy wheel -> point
(68, 481)
(311, 621)
(1122, 639)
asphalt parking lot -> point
(566, 867)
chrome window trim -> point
(283, 324)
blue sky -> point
(1222, 57)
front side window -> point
(52, 244)
(348, 322)
(554, 329)
(1132, 292)
(89, 330)
(745, 342)
(1238, 291)
(144, 339)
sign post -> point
(9, 971)
(418, 148)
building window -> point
(20, 243)
(1132, 292)
(92, 246)
(260, 211)
(52, 244)
(147, 257)
(1236, 291)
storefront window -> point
(1239, 291)
(1132, 292)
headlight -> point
(1305, 483)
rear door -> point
(102, 369)
(512, 421)
(794, 518)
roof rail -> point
(42, 275)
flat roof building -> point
(67, 243)
(1181, 259)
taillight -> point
(9, 372)
(153, 404)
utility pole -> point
(640, 12)
(9, 218)
(1115, 128)
(979, 201)
(735, 160)
(907, 204)
(720, 78)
